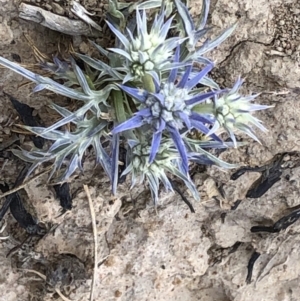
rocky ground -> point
(171, 254)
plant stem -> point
(148, 83)
(118, 102)
(207, 108)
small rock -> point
(57, 9)
(48, 7)
(281, 22)
(6, 131)
(84, 48)
(6, 34)
(65, 269)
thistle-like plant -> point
(69, 147)
(196, 32)
(147, 52)
(89, 122)
(149, 96)
(166, 161)
(233, 112)
(170, 108)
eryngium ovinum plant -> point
(150, 98)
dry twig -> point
(87, 191)
(55, 22)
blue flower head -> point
(169, 110)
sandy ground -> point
(172, 254)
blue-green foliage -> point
(148, 96)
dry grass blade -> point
(40, 56)
(44, 278)
(24, 184)
(87, 191)
(19, 131)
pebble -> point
(296, 11)
(84, 48)
(6, 34)
(6, 131)
(57, 9)
(48, 7)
